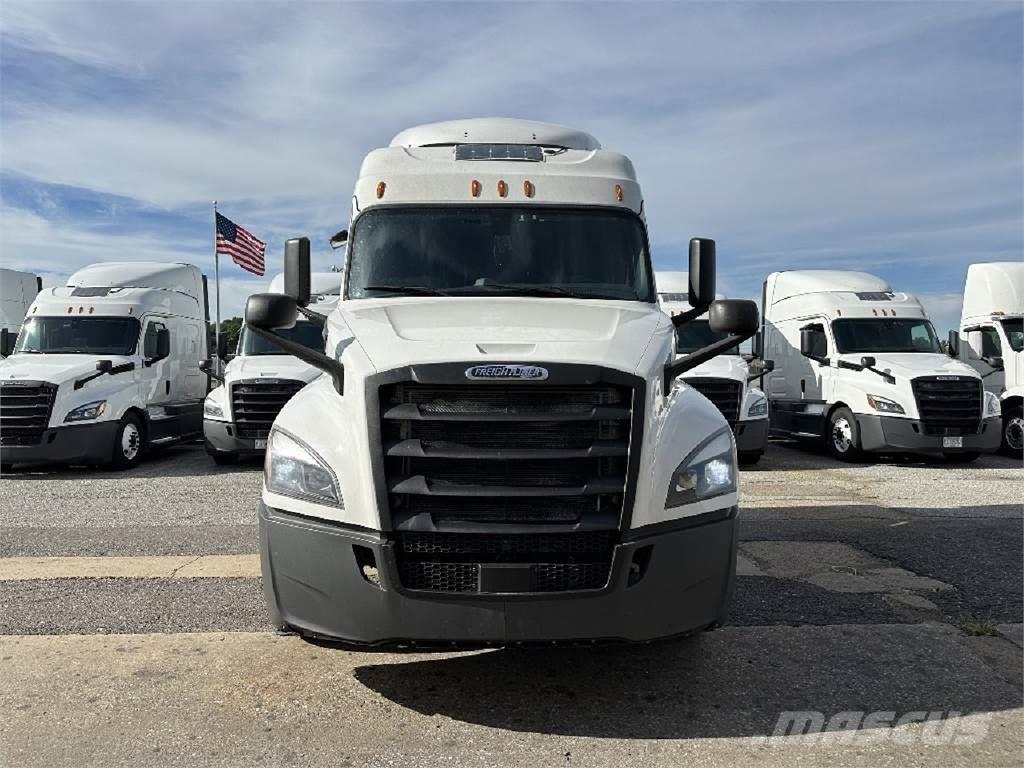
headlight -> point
(707, 472)
(293, 469)
(212, 410)
(884, 404)
(87, 412)
(993, 407)
(758, 406)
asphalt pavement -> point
(132, 631)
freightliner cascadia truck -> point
(859, 368)
(497, 453)
(729, 380)
(261, 377)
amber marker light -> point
(381, 186)
(528, 188)
(475, 188)
(502, 189)
(619, 194)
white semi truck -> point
(728, 380)
(497, 453)
(991, 340)
(859, 367)
(260, 378)
(106, 367)
(17, 291)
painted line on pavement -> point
(163, 566)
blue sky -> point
(878, 136)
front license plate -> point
(258, 444)
(952, 442)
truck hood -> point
(721, 367)
(56, 369)
(270, 367)
(395, 333)
(913, 364)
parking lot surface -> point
(132, 631)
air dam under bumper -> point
(751, 436)
(220, 438)
(891, 434)
(72, 444)
(314, 583)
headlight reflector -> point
(292, 469)
(758, 406)
(707, 472)
(884, 404)
(87, 412)
(211, 410)
(993, 407)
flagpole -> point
(216, 272)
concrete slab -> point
(240, 699)
(1012, 632)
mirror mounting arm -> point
(313, 316)
(675, 369)
(319, 360)
(691, 314)
(113, 371)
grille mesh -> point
(255, 404)
(25, 410)
(724, 393)
(948, 405)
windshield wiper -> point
(418, 290)
(526, 289)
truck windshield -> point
(697, 334)
(308, 334)
(1014, 330)
(895, 334)
(79, 336)
(499, 250)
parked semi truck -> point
(859, 367)
(728, 380)
(497, 453)
(106, 366)
(260, 377)
(991, 340)
(17, 291)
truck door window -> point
(149, 342)
(820, 340)
(991, 344)
(1014, 330)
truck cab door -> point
(983, 343)
(157, 377)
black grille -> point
(452, 562)
(948, 405)
(483, 457)
(25, 411)
(724, 393)
(256, 403)
(506, 452)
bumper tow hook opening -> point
(638, 566)
(367, 564)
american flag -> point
(244, 249)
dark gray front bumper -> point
(751, 436)
(220, 438)
(891, 434)
(314, 583)
(72, 444)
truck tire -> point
(1013, 431)
(129, 442)
(749, 458)
(842, 439)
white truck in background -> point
(106, 367)
(260, 378)
(991, 340)
(497, 453)
(17, 291)
(728, 380)
(859, 367)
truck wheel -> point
(128, 442)
(842, 440)
(748, 458)
(1013, 431)
(960, 458)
